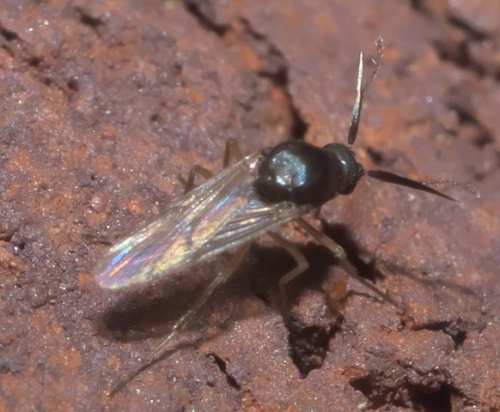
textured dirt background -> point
(104, 104)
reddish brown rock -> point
(104, 104)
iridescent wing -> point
(220, 214)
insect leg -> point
(232, 150)
(340, 255)
(302, 266)
(163, 347)
(196, 169)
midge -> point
(258, 194)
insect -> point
(257, 195)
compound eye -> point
(347, 170)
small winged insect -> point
(257, 195)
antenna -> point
(352, 134)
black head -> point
(305, 174)
(299, 172)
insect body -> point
(258, 194)
(261, 192)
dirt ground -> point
(106, 103)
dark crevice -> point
(459, 338)
(420, 6)
(155, 118)
(221, 364)
(456, 330)
(483, 139)
(309, 347)
(458, 54)
(378, 394)
(459, 51)
(343, 236)
(308, 335)
(9, 364)
(438, 401)
(21, 245)
(376, 156)
(277, 72)
(35, 61)
(474, 34)
(381, 391)
(458, 100)
(299, 127)
(458, 39)
(14, 238)
(276, 69)
(264, 298)
(8, 34)
(72, 85)
(271, 263)
(36, 64)
(88, 20)
(7, 236)
(203, 12)
(275, 62)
